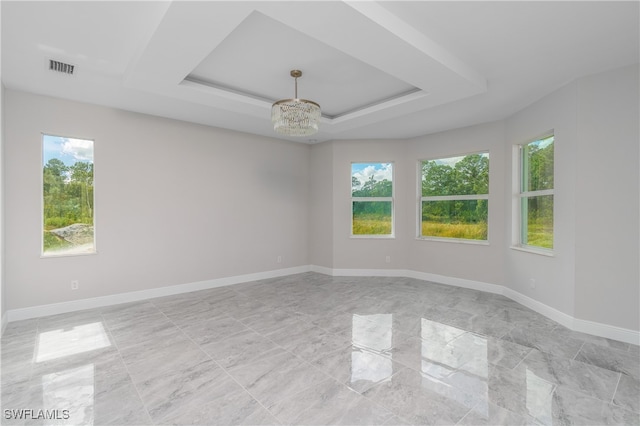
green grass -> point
(540, 234)
(52, 242)
(371, 224)
(467, 231)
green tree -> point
(81, 182)
(67, 193)
(437, 179)
(468, 176)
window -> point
(372, 199)
(454, 201)
(536, 193)
(67, 196)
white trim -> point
(580, 325)
(605, 330)
(457, 282)
(546, 310)
(321, 270)
(114, 299)
(469, 197)
(538, 193)
(390, 199)
(535, 250)
(454, 240)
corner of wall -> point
(321, 205)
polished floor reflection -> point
(313, 349)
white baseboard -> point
(134, 296)
(457, 282)
(584, 326)
(546, 310)
(605, 330)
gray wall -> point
(175, 202)
(554, 276)
(3, 299)
(607, 199)
(484, 263)
(321, 205)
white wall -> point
(175, 202)
(554, 276)
(369, 253)
(3, 299)
(593, 274)
(321, 205)
(483, 263)
(3, 311)
(607, 232)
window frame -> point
(520, 218)
(391, 199)
(43, 254)
(421, 199)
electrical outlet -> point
(388, 259)
(74, 285)
(532, 283)
(279, 259)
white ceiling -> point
(379, 69)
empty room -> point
(320, 213)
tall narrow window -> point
(67, 196)
(536, 193)
(372, 199)
(454, 201)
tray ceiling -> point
(378, 69)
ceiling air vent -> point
(61, 67)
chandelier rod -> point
(295, 74)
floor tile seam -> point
(592, 366)
(127, 347)
(283, 400)
(454, 370)
(581, 346)
(390, 408)
(223, 369)
(557, 381)
(133, 383)
(585, 395)
(310, 363)
(470, 410)
(524, 357)
(616, 388)
(304, 362)
(266, 336)
(358, 397)
(563, 385)
(33, 355)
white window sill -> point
(455, 240)
(368, 237)
(53, 256)
(534, 250)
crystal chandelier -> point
(295, 117)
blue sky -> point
(379, 171)
(69, 150)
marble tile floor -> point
(312, 349)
